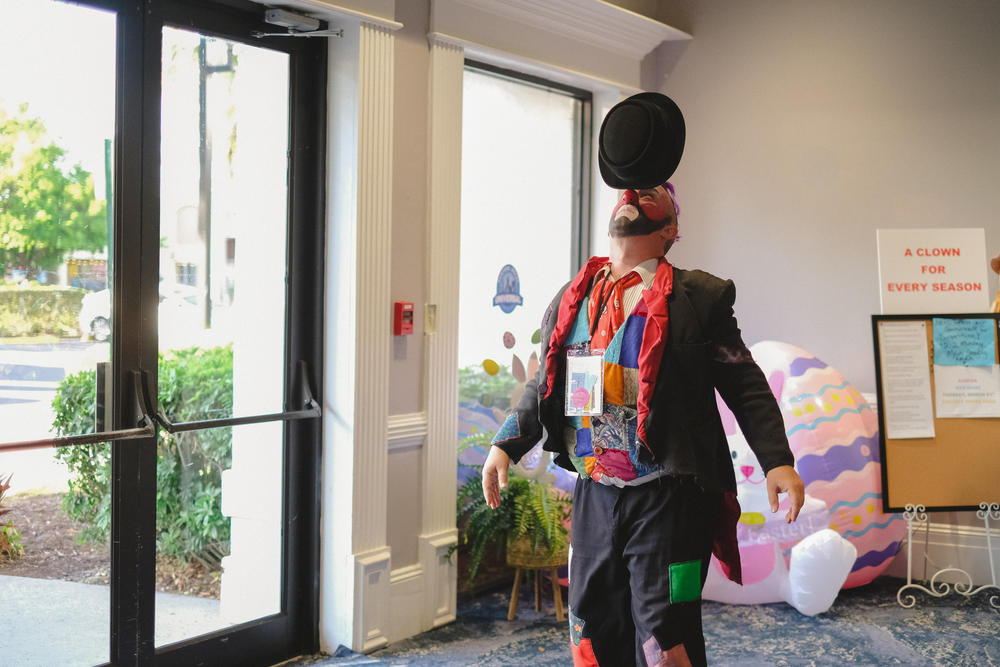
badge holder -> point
(584, 383)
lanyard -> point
(602, 303)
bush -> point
(193, 384)
(10, 537)
(39, 309)
(491, 391)
(528, 509)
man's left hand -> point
(784, 479)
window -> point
(525, 151)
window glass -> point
(519, 174)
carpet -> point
(865, 626)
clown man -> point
(634, 350)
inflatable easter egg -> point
(833, 434)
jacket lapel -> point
(568, 306)
(654, 339)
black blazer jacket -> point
(704, 352)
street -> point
(29, 376)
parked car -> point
(180, 305)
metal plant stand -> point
(917, 513)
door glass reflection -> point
(224, 145)
(57, 101)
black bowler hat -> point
(641, 141)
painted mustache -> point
(632, 218)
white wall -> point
(810, 125)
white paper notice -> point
(906, 380)
(967, 391)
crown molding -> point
(593, 22)
(328, 10)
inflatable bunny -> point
(819, 559)
(833, 433)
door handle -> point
(310, 409)
(145, 428)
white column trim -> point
(406, 431)
(407, 573)
(438, 534)
(372, 580)
(443, 248)
(356, 560)
(374, 335)
(438, 565)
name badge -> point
(584, 383)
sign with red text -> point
(932, 271)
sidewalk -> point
(52, 623)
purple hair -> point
(669, 187)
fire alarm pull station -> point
(403, 321)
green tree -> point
(46, 208)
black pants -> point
(640, 557)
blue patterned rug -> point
(865, 626)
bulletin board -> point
(958, 466)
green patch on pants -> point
(685, 581)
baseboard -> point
(422, 596)
(372, 590)
(947, 545)
(438, 558)
(407, 602)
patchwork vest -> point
(605, 448)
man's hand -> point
(784, 479)
(495, 476)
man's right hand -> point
(495, 475)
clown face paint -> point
(641, 212)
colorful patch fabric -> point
(631, 340)
(579, 333)
(508, 430)
(606, 448)
(630, 380)
(575, 628)
(614, 384)
(583, 655)
(685, 581)
(652, 651)
(615, 463)
(610, 430)
(584, 443)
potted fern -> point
(529, 525)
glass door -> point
(222, 319)
(55, 314)
(163, 331)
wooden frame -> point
(956, 469)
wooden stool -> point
(556, 591)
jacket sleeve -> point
(743, 387)
(522, 429)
